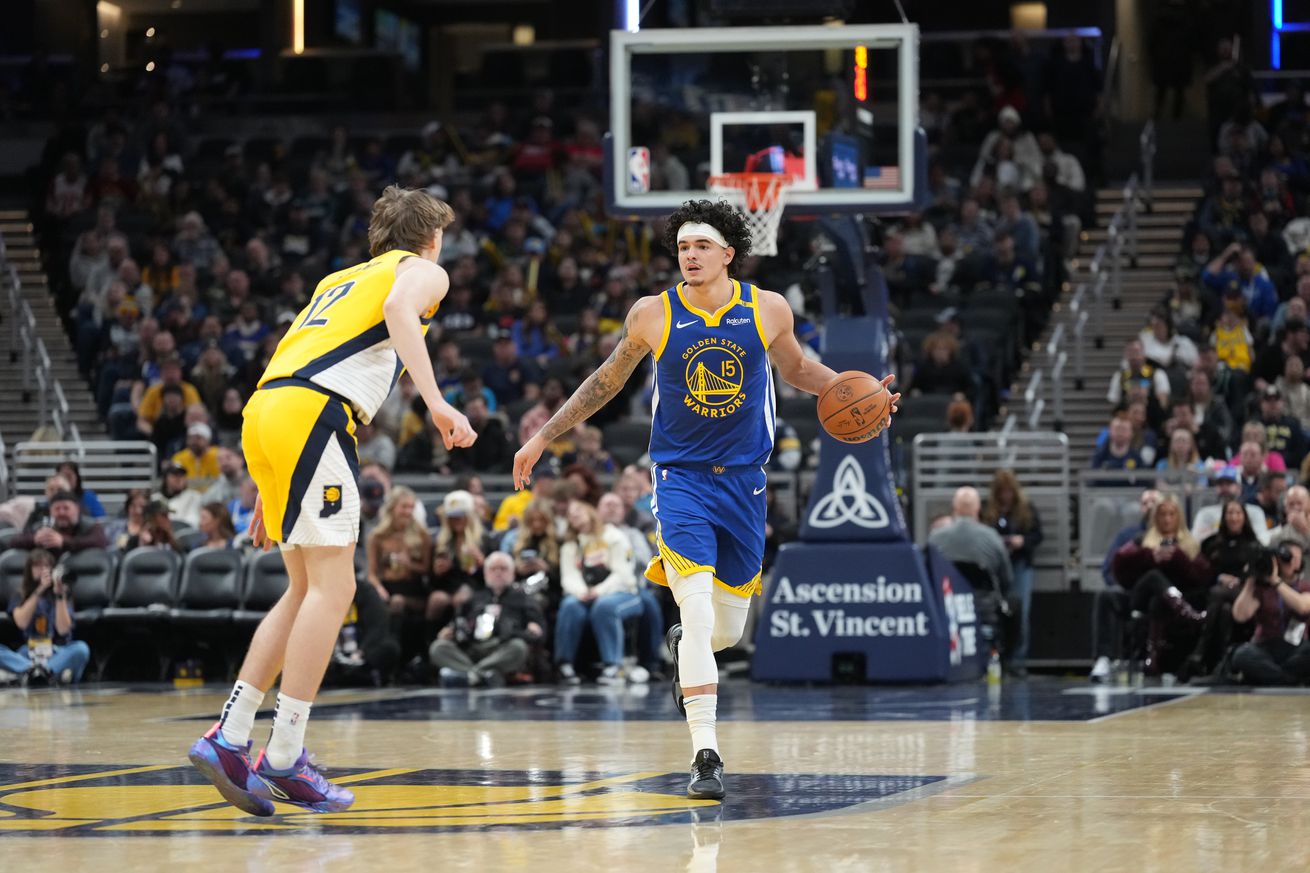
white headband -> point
(696, 228)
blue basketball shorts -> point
(710, 519)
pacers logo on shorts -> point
(331, 501)
(714, 377)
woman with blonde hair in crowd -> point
(600, 589)
(458, 554)
(1182, 457)
(535, 549)
(1167, 578)
(1013, 516)
(399, 551)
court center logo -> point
(849, 501)
(117, 801)
(714, 375)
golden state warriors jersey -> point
(340, 340)
(713, 403)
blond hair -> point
(1186, 541)
(406, 219)
(414, 532)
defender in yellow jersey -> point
(332, 369)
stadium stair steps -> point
(19, 416)
(1086, 411)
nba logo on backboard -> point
(638, 170)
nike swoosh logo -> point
(686, 323)
(758, 491)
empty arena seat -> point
(266, 580)
(627, 440)
(92, 573)
(210, 591)
(147, 586)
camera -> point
(1262, 567)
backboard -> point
(835, 107)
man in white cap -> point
(1026, 152)
(713, 339)
(199, 458)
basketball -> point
(854, 407)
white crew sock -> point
(239, 714)
(700, 719)
(288, 739)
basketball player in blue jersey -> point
(713, 339)
(343, 354)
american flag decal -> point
(882, 178)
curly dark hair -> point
(720, 215)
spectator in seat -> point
(1118, 453)
(1229, 552)
(491, 453)
(1136, 369)
(1013, 516)
(375, 446)
(42, 609)
(1111, 609)
(199, 458)
(967, 540)
(959, 416)
(1182, 456)
(1022, 143)
(536, 336)
(508, 375)
(492, 634)
(1295, 391)
(64, 530)
(1164, 348)
(128, 524)
(590, 453)
(183, 502)
(1295, 515)
(216, 526)
(941, 371)
(535, 550)
(1294, 342)
(241, 507)
(457, 555)
(232, 473)
(1250, 465)
(1277, 600)
(544, 477)
(72, 473)
(1227, 483)
(399, 554)
(1231, 340)
(1021, 227)
(27, 512)
(600, 589)
(1166, 576)
(1235, 272)
(1213, 421)
(170, 374)
(1223, 215)
(1269, 497)
(1283, 433)
(974, 229)
(552, 398)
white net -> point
(760, 198)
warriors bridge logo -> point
(714, 377)
(88, 801)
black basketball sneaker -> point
(671, 639)
(706, 776)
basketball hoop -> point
(760, 197)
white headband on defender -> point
(696, 228)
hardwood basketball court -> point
(1041, 776)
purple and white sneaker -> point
(302, 785)
(228, 767)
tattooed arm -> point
(641, 330)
